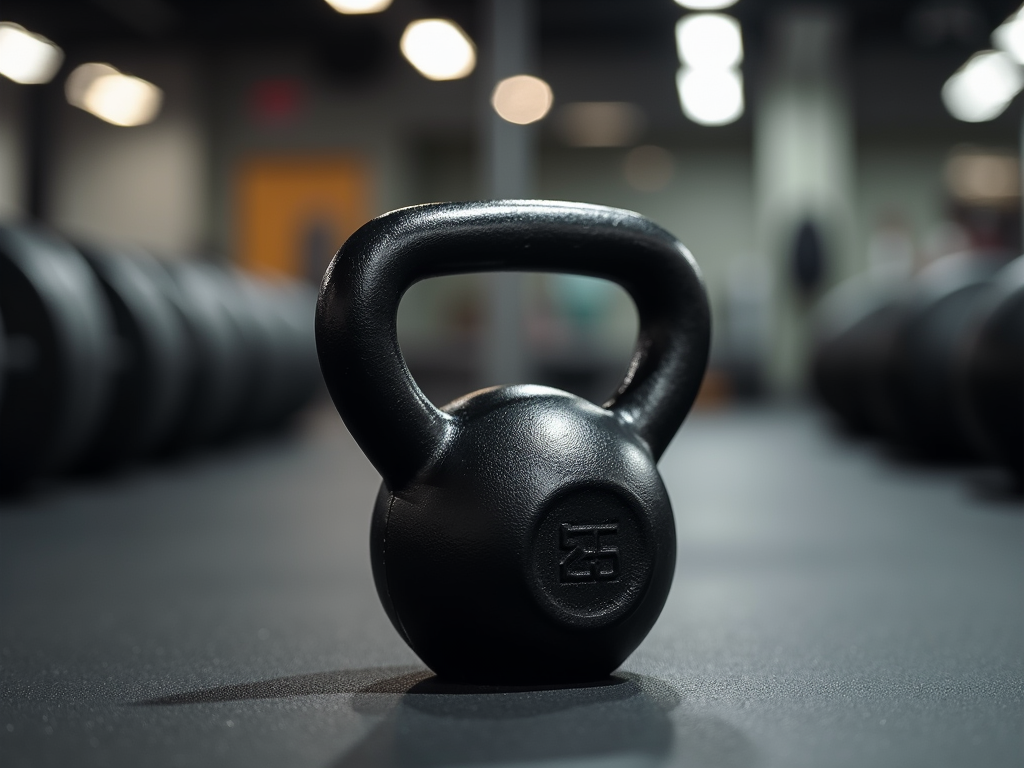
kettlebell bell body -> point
(522, 535)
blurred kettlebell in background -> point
(910, 383)
(522, 535)
(992, 379)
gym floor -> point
(832, 607)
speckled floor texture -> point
(832, 607)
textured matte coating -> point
(522, 534)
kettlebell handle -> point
(395, 424)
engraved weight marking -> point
(589, 558)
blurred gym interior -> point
(184, 519)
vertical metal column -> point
(15, 145)
(509, 167)
(804, 166)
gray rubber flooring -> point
(831, 608)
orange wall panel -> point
(294, 212)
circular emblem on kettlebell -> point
(592, 558)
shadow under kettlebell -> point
(622, 719)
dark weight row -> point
(110, 357)
(933, 365)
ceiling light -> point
(123, 100)
(1009, 36)
(706, 5)
(600, 123)
(439, 49)
(977, 177)
(709, 40)
(112, 96)
(982, 88)
(522, 99)
(359, 6)
(26, 57)
(710, 96)
(81, 78)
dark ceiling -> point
(929, 38)
(920, 24)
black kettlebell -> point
(217, 375)
(150, 361)
(59, 361)
(522, 535)
(847, 324)
(910, 384)
(992, 374)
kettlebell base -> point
(534, 681)
(499, 665)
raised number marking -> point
(589, 558)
